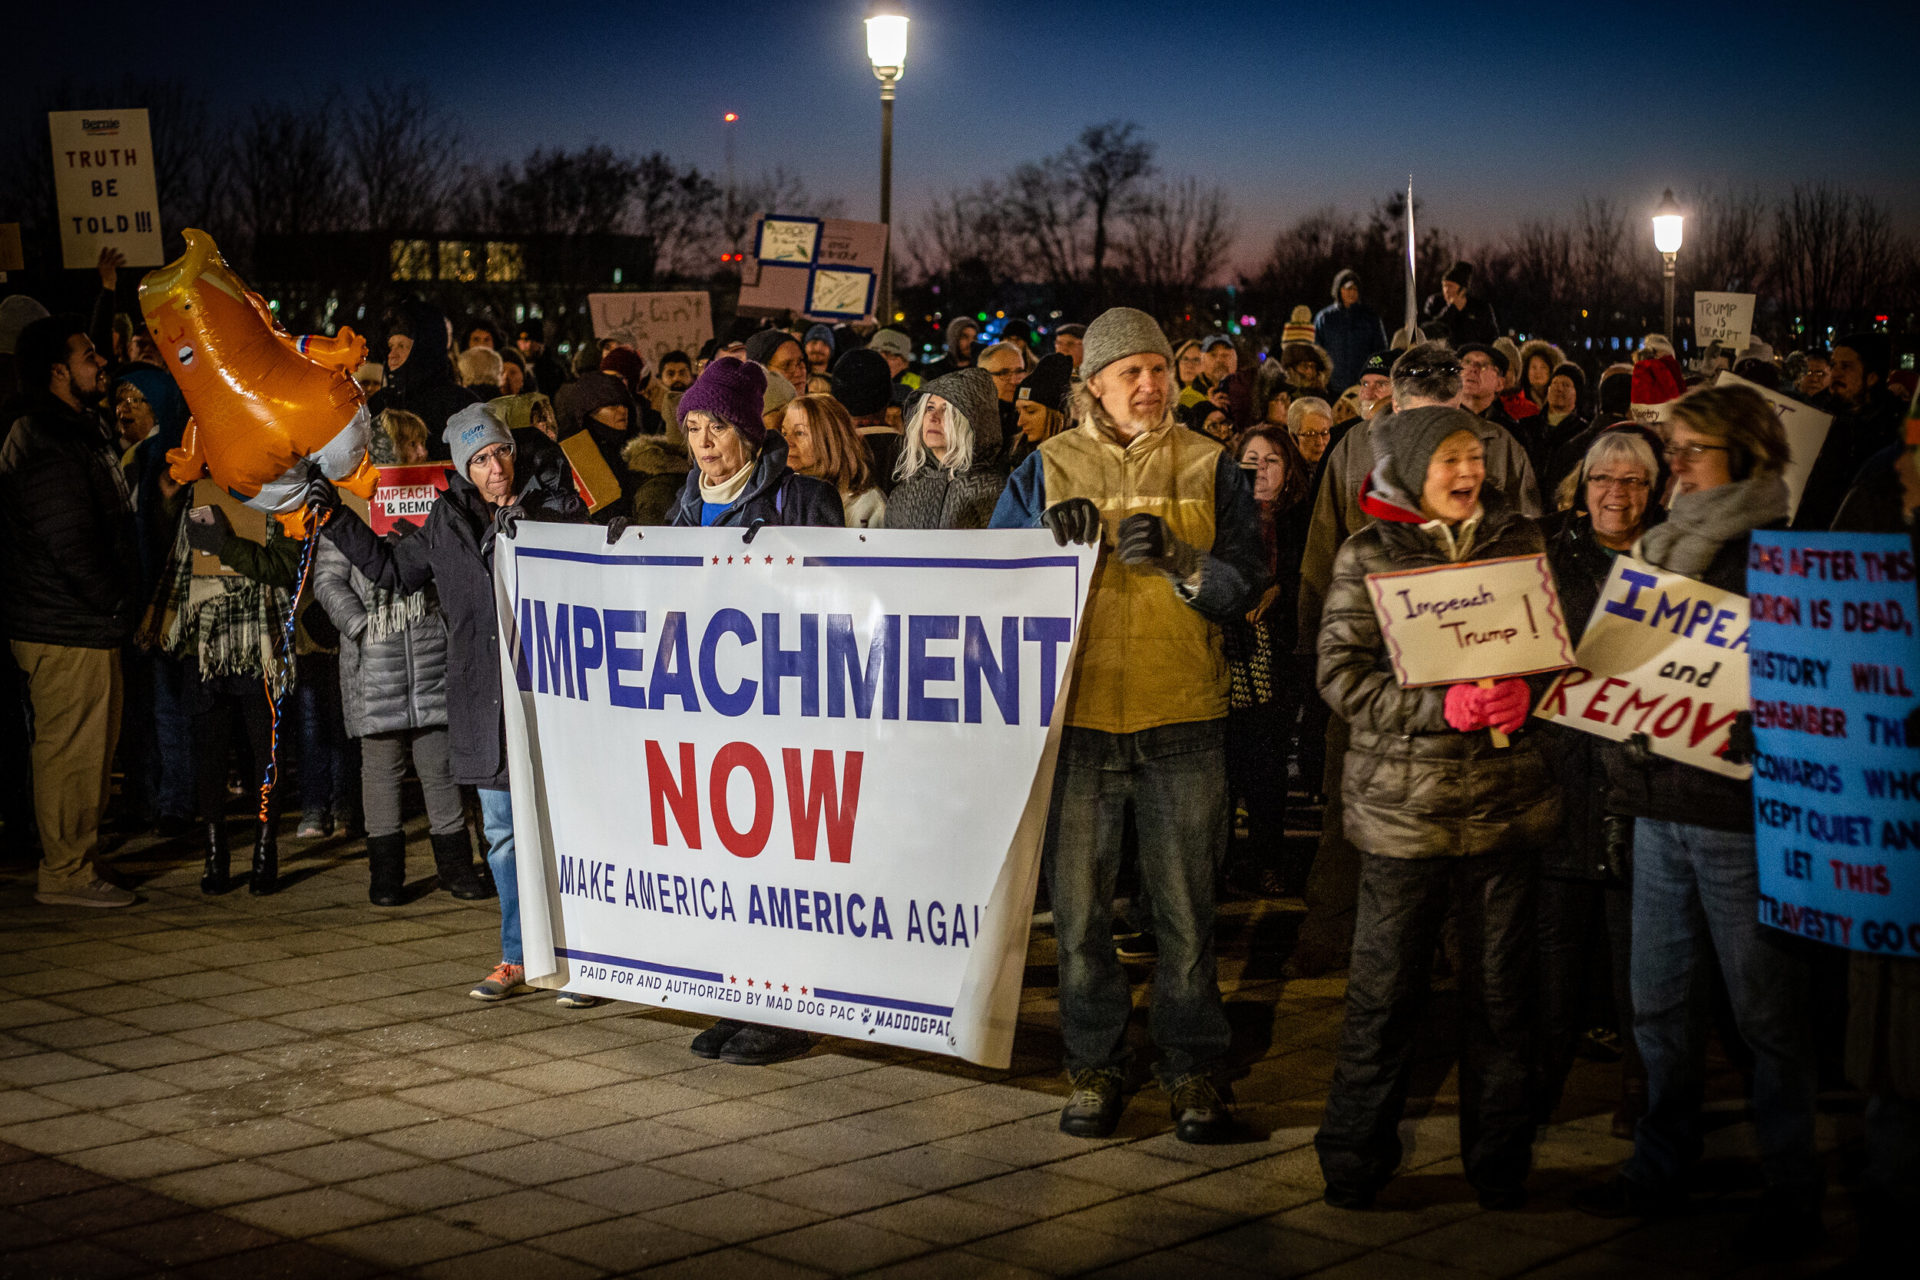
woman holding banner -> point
(1444, 818)
(1695, 873)
(742, 480)
(1585, 909)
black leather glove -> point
(1144, 540)
(506, 520)
(1740, 746)
(321, 497)
(1639, 749)
(209, 535)
(615, 527)
(1075, 520)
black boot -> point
(266, 859)
(387, 869)
(217, 877)
(453, 860)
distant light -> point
(731, 116)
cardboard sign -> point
(591, 475)
(653, 323)
(1480, 620)
(103, 182)
(1836, 782)
(247, 523)
(824, 283)
(1806, 429)
(1726, 318)
(1665, 656)
(406, 494)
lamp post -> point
(887, 51)
(1666, 238)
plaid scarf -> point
(232, 626)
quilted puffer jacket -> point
(389, 682)
(1414, 787)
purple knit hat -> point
(731, 390)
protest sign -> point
(1480, 620)
(799, 780)
(246, 523)
(1806, 429)
(653, 323)
(1836, 780)
(104, 186)
(819, 267)
(405, 493)
(1725, 318)
(1665, 656)
(592, 477)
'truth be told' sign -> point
(103, 182)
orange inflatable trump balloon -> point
(268, 408)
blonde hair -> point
(408, 431)
(914, 454)
(480, 366)
(839, 454)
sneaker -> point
(501, 983)
(574, 1000)
(710, 1042)
(757, 1046)
(1094, 1109)
(315, 826)
(1137, 946)
(1200, 1114)
(100, 894)
(1625, 1198)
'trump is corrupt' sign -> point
(799, 781)
(1836, 783)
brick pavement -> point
(299, 1086)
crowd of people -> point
(1587, 897)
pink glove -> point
(1505, 706)
(1463, 708)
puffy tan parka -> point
(1414, 787)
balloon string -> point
(275, 700)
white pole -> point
(1413, 297)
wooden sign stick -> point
(1500, 739)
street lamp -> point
(887, 51)
(1666, 238)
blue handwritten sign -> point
(1834, 674)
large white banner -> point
(799, 781)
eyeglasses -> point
(1693, 452)
(1311, 435)
(1626, 484)
(499, 454)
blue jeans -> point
(328, 784)
(1404, 904)
(496, 822)
(1176, 778)
(1695, 887)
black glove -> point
(321, 497)
(1639, 750)
(1740, 746)
(1144, 540)
(209, 535)
(1913, 728)
(1075, 520)
(506, 520)
(615, 527)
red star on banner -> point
(749, 981)
(803, 991)
(769, 559)
(789, 559)
(729, 559)
(716, 559)
(735, 981)
(783, 986)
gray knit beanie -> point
(471, 429)
(1404, 443)
(1118, 333)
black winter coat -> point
(68, 557)
(1580, 570)
(1413, 786)
(454, 552)
(424, 385)
(775, 494)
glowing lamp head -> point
(731, 116)
(1666, 224)
(887, 39)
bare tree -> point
(679, 210)
(1726, 241)
(1107, 164)
(1834, 255)
(1046, 214)
(287, 171)
(1174, 240)
(401, 150)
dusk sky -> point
(1499, 111)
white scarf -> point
(724, 493)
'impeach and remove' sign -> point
(1836, 785)
(1664, 656)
